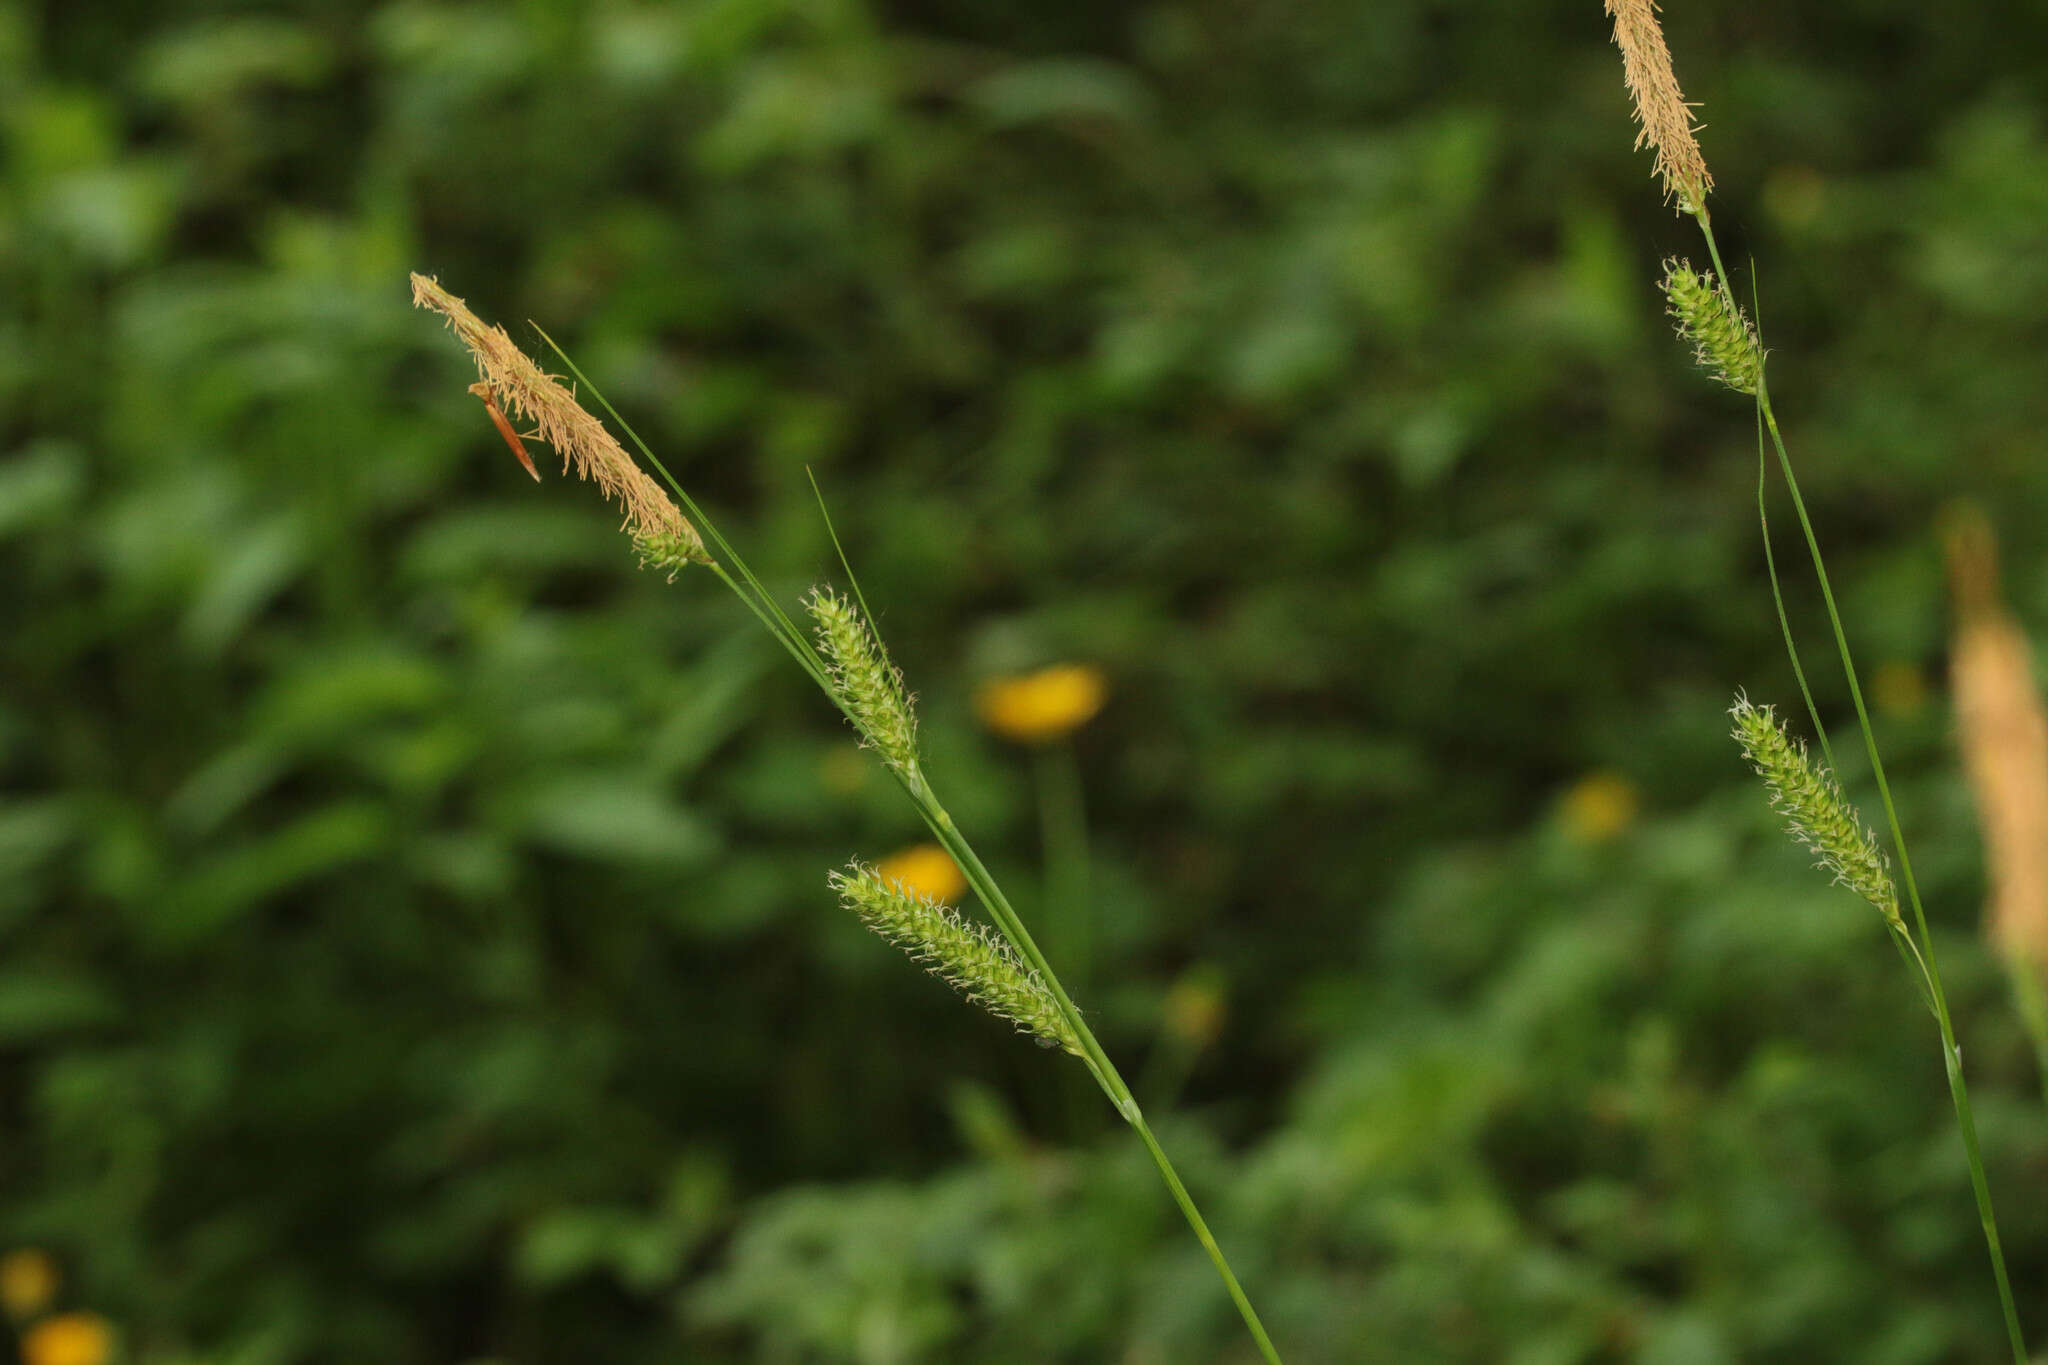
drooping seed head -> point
(867, 684)
(1661, 110)
(1815, 811)
(1723, 342)
(971, 958)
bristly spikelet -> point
(667, 553)
(971, 958)
(869, 686)
(662, 534)
(1724, 343)
(1661, 109)
(1814, 808)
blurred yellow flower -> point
(1599, 806)
(1195, 1009)
(68, 1339)
(28, 1281)
(1032, 708)
(925, 870)
(843, 769)
(1898, 688)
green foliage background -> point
(413, 937)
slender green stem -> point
(1105, 1072)
(751, 591)
(1951, 1053)
(1901, 940)
(758, 600)
(1202, 1234)
(1763, 521)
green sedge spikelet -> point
(1815, 810)
(1723, 341)
(867, 684)
(971, 958)
(669, 553)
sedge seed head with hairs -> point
(1815, 811)
(1723, 342)
(511, 381)
(1661, 110)
(971, 958)
(866, 683)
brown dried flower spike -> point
(513, 383)
(2002, 727)
(1661, 109)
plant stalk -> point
(1951, 1053)
(751, 591)
(1098, 1062)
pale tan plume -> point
(525, 391)
(1661, 109)
(2002, 730)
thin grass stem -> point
(759, 601)
(1763, 521)
(1924, 950)
(1104, 1070)
(1208, 1241)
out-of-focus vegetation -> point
(414, 943)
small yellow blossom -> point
(843, 770)
(1195, 1008)
(924, 870)
(1032, 708)
(69, 1339)
(1796, 195)
(1599, 806)
(1898, 688)
(28, 1281)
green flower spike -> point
(867, 685)
(971, 958)
(1814, 808)
(1723, 341)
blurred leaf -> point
(612, 817)
(36, 1005)
(231, 883)
(38, 484)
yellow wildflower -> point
(1599, 806)
(69, 1339)
(1032, 708)
(1195, 1008)
(28, 1281)
(1898, 688)
(842, 769)
(924, 870)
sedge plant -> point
(1806, 792)
(996, 965)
